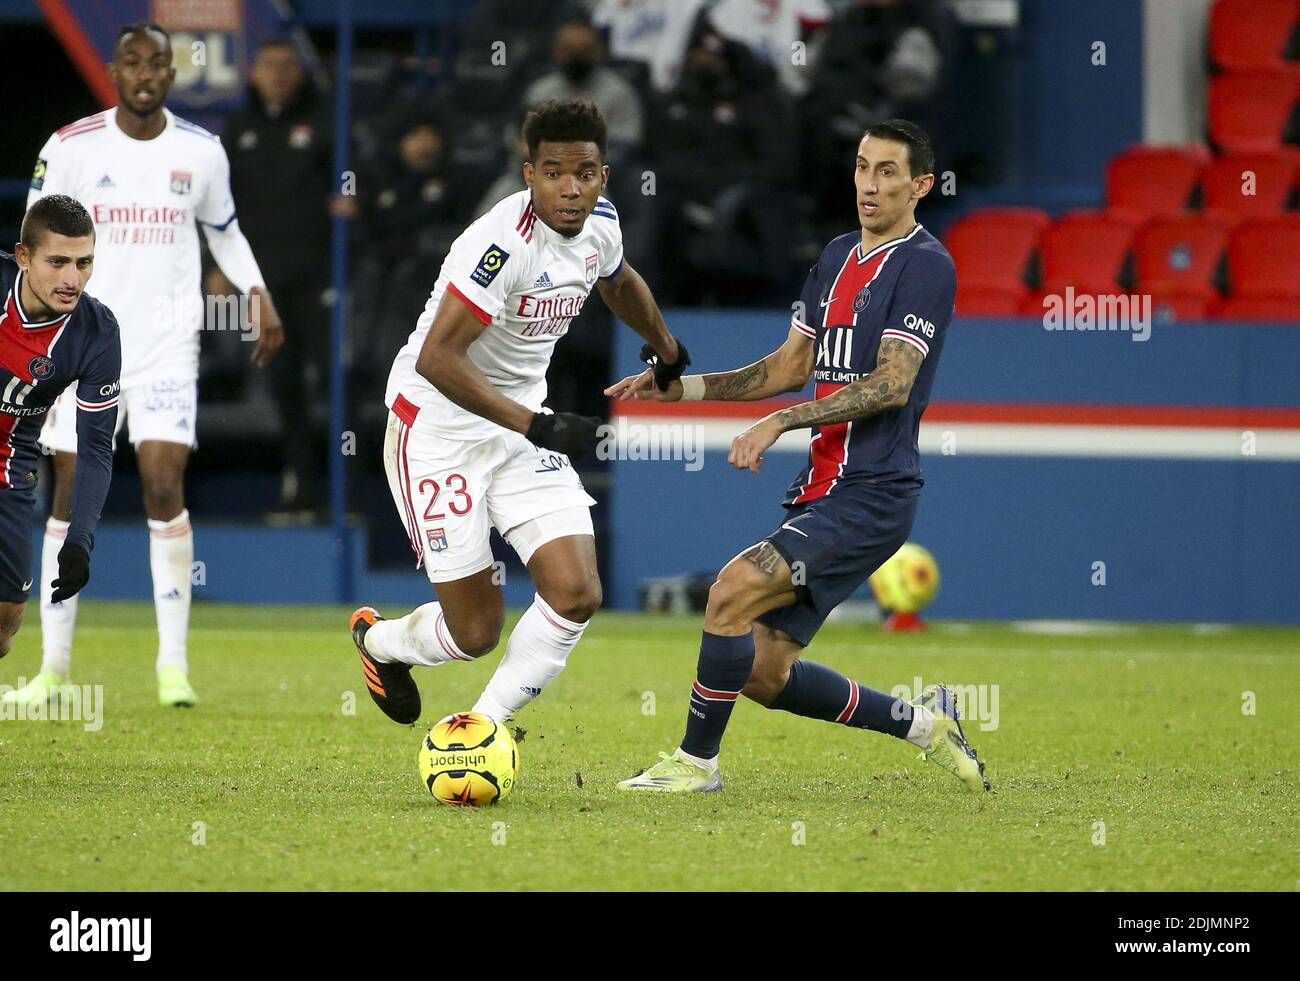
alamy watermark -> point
(235, 312)
(1085, 311)
(974, 703)
(637, 441)
(74, 703)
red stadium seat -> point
(1250, 111)
(988, 301)
(991, 249)
(1264, 259)
(1086, 250)
(1149, 181)
(1250, 34)
(1257, 308)
(1269, 176)
(1179, 255)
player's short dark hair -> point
(56, 213)
(920, 151)
(564, 121)
(141, 27)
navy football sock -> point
(724, 667)
(818, 692)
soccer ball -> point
(908, 580)
(468, 759)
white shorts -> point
(450, 493)
(163, 408)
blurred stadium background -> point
(1145, 147)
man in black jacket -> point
(280, 148)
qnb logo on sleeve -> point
(913, 322)
(489, 265)
(102, 934)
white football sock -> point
(697, 760)
(922, 727)
(57, 620)
(420, 637)
(535, 655)
(171, 560)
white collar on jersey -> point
(169, 122)
(885, 245)
(22, 314)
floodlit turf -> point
(272, 784)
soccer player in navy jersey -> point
(869, 328)
(52, 335)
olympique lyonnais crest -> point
(437, 539)
(181, 181)
(40, 367)
(591, 269)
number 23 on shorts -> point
(457, 498)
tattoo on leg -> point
(765, 558)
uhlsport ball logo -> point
(468, 759)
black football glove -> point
(666, 374)
(74, 572)
(564, 432)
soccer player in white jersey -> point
(469, 445)
(149, 180)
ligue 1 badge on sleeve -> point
(181, 181)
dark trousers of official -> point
(300, 384)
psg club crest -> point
(181, 181)
(591, 270)
(862, 299)
(40, 367)
(437, 539)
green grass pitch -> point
(1121, 760)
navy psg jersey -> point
(902, 289)
(38, 360)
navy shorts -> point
(833, 544)
(16, 510)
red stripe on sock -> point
(852, 704)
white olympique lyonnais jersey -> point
(145, 198)
(526, 282)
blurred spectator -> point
(580, 73)
(409, 193)
(280, 148)
(879, 59)
(411, 209)
(723, 147)
(653, 31)
(771, 28)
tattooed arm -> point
(887, 387)
(787, 369)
